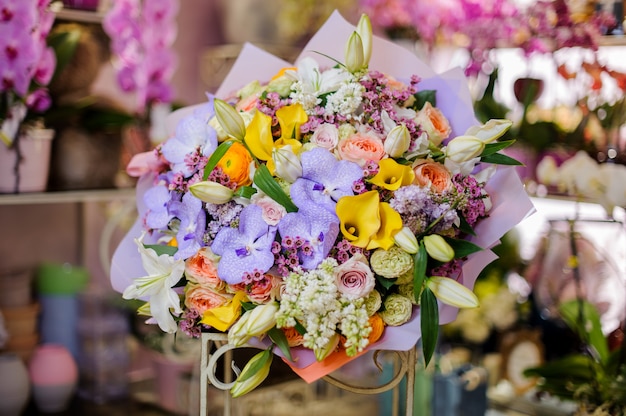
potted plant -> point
(30, 59)
(595, 379)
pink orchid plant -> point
(141, 34)
(27, 63)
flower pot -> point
(15, 288)
(14, 385)
(172, 382)
(54, 376)
(24, 166)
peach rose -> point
(434, 123)
(236, 164)
(294, 338)
(432, 175)
(201, 299)
(361, 147)
(247, 104)
(201, 268)
(378, 326)
(264, 290)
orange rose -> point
(236, 164)
(361, 148)
(294, 338)
(201, 268)
(202, 299)
(248, 104)
(434, 123)
(432, 175)
(263, 290)
(378, 326)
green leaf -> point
(266, 182)
(420, 261)
(462, 248)
(491, 148)
(245, 192)
(587, 324)
(465, 227)
(500, 159)
(215, 157)
(424, 96)
(279, 338)
(429, 321)
(161, 249)
(300, 328)
(263, 358)
(64, 45)
(247, 306)
(384, 282)
(573, 367)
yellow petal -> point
(223, 317)
(259, 136)
(359, 217)
(392, 175)
(290, 118)
(390, 224)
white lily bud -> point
(287, 163)
(355, 60)
(230, 120)
(364, 28)
(438, 248)
(249, 381)
(237, 334)
(464, 148)
(331, 345)
(262, 319)
(406, 240)
(451, 292)
(490, 131)
(398, 141)
(212, 192)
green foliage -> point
(596, 378)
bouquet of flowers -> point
(321, 209)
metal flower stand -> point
(404, 365)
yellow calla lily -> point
(390, 224)
(392, 175)
(223, 317)
(290, 118)
(258, 136)
(359, 217)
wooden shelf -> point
(67, 197)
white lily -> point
(451, 292)
(163, 273)
(212, 192)
(316, 82)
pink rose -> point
(272, 210)
(354, 278)
(362, 147)
(201, 268)
(202, 299)
(248, 104)
(326, 135)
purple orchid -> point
(157, 200)
(245, 249)
(193, 134)
(324, 180)
(318, 227)
(192, 218)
